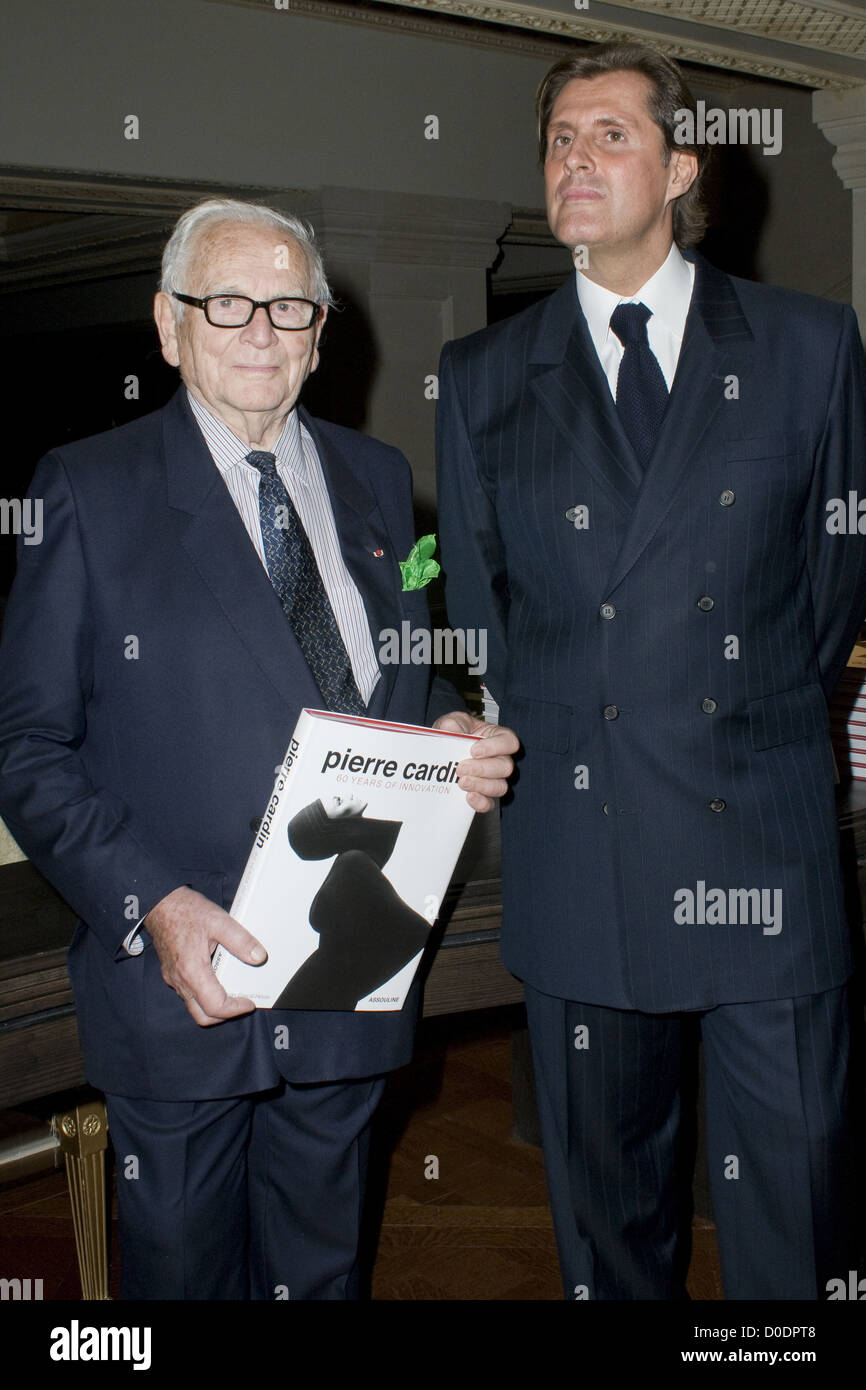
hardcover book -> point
(350, 864)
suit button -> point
(709, 706)
(607, 610)
(717, 804)
(610, 712)
(705, 603)
(256, 824)
(726, 498)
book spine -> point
(262, 840)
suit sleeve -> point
(473, 554)
(83, 838)
(396, 502)
(443, 699)
(837, 562)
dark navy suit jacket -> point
(149, 685)
(667, 660)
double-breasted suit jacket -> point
(149, 684)
(664, 642)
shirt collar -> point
(667, 294)
(228, 451)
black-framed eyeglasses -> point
(236, 310)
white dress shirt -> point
(667, 294)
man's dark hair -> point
(669, 95)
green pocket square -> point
(419, 567)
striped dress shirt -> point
(301, 474)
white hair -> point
(179, 253)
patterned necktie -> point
(295, 576)
(641, 392)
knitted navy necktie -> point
(295, 576)
(641, 392)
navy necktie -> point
(295, 576)
(641, 391)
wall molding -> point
(842, 119)
(116, 226)
(756, 55)
(119, 226)
(485, 26)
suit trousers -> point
(608, 1084)
(256, 1196)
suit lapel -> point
(215, 539)
(717, 342)
(362, 533)
(567, 378)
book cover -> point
(350, 864)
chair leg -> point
(83, 1135)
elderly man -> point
(151, 677)
(634, 483)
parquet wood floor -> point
(462, 1204)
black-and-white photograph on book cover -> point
(350, 864)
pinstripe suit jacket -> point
(666, 654)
